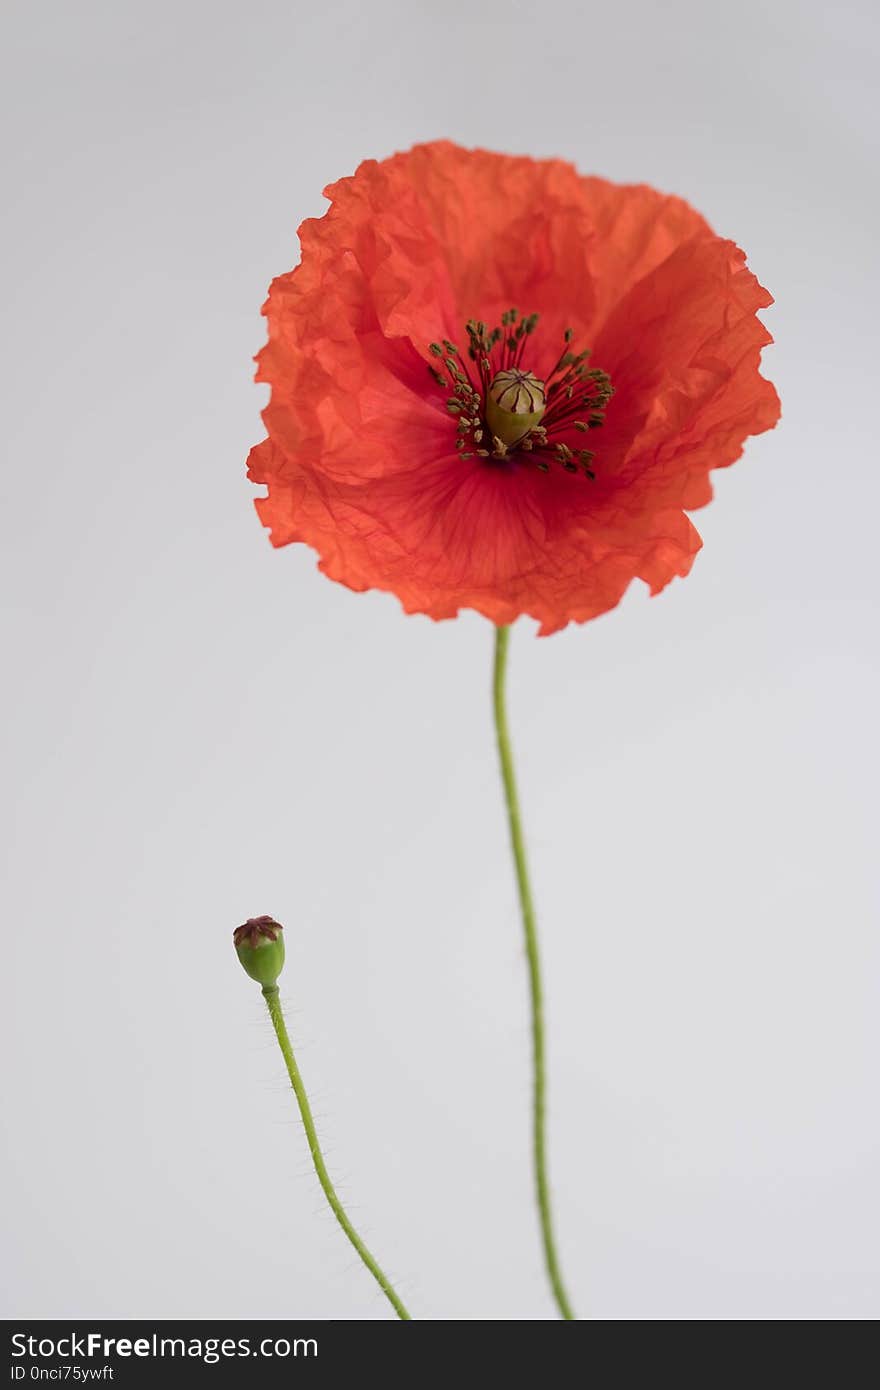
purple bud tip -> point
(250, 932)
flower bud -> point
(259, 945)
(515, 404)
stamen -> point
(523, 416)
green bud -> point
(259, 946)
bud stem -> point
(517, 842)
(273, 1001)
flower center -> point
(514, 405)
(505, 412)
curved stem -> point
(517, 842)
(273, 1000)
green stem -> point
(273, 999)
(518, 846)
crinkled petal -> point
(360, 461)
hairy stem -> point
(273, 1000)
(517, 842)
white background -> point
(199, 729)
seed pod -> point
(259, 945)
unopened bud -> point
(259, 944)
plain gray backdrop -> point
(198, 728)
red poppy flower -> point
(497, 384)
